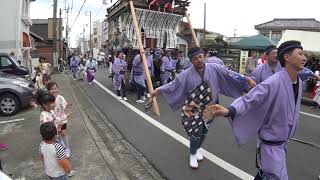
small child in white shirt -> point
(61, 106)
(56, 164)
(48, 104)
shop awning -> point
(257, 42)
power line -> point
(84, 2)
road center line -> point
(12, 121)
(312, 115)
(213, 158)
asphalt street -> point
(171, 157)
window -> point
(276, 37)
(5, 62)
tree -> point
(217, 44)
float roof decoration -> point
(122, 6)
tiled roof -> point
(294, 24)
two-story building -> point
(104, 31)
(15, 23)
(274, 29)
(42, 33)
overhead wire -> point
(84, 2)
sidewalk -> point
(98, 150)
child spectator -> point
(46, 79)
(61, 106)
(47, 103)
(41, 81)
(56, 163)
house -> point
(97, 38)
(104, 31)
(15, 23)
(42, 33)
(274, 29)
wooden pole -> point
(143, 55)
(194, 37)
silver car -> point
(15, 93)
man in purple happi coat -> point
(272, 66)
(150, 67)
(166, 68)
(212, 58)
(137, 77)
(271, 111)
(266, 70)
(119, 69)
(150, 62)
(74, 63)
(221, 81)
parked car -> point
(15, 93)
(10, 66)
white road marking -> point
(12, 121)
(312, 115)
(215, 159)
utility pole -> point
(91, 51)
(83, 40)
(234, 32)
(205, 21)
(54, 33)
(60, 29)
(67, 31)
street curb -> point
(103, 150)
(120, 139)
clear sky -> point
(223, 16)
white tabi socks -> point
(194, 161)
(199, 155)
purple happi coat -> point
(91, 69)
(215, 59)
(150, 65)
(270, 111)
(119, 67)
(74, 64)
(137, 71)
(165, 69)
(264, 71)
(220, 79)
(174, 63)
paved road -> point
(170, 156)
